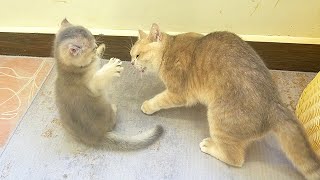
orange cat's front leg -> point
(164, 100)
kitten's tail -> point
(294, 143)
(133, 142)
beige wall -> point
(296, 18)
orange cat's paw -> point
(205, 145)
(208, 146)
(146, 108)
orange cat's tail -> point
(133, 142)
(294, 142)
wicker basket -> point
(308, 112)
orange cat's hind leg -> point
(229, 152)
(225, 143)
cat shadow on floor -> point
(132, 90)
(197, 113)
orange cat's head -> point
(146, 53)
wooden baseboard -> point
(281, 56)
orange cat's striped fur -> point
(224, 73)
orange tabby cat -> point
(224, 73)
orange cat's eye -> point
(137, 56)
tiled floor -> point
(39, 148)
(20, 80)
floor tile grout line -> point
(22, 117)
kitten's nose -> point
(132, 62)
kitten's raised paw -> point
(114, 108)
(114, 60)
(114, 67)
(145, 108)
(100, 50)
(102, 46)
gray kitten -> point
(80, 91)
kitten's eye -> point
(137, 56)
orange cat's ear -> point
(65, 23)
(142, 34)
(155, 34)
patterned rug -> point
(20, 80)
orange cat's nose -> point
(132, 62)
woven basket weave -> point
(308, 112)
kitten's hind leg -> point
(164, 100)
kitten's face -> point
(78, 52)
(146, 52)
(76, 45)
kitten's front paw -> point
(114, 108)
(114, 67)
(146, 108)
(100, 50)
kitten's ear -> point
(155, 34)
(65, 23)
(142, 34)
(74, 50)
